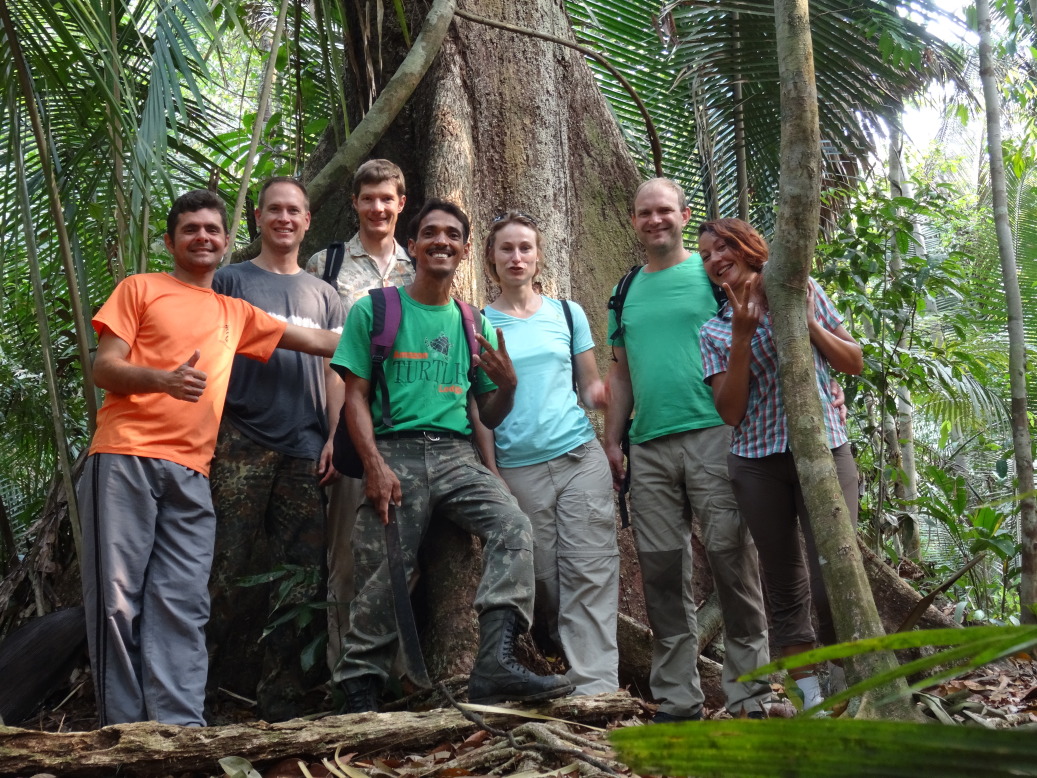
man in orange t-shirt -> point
(166, 344)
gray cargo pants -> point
(672, 476)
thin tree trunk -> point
(257, 128)
(57, 410)
(786, 280)
(741, 166)
(1016, 336)
(114, 132)
(8, 546)
(57, 213)
(901, 442)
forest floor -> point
(998, 696)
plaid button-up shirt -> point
(765, 428)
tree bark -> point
(504, 121)
(161, 749)
(899, 433)
(1021, 439)
(786, 279)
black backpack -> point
(333, 261)
(386, 314)
(617, 300)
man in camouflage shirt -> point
(372, 259)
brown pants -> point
(770, 500)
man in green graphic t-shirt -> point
(426, 463)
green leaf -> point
(824, 748)
(238, 767)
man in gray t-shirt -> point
(372, 259)
(272, 456)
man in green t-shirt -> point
(426, 463)
(678, 460)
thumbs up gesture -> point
(187, 383)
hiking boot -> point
(662, 717)
(361, 694)
(497, 675)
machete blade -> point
(407, 630)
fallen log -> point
(894, 596)
(150, 749)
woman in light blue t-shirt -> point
(547, 453)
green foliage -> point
(917, 322)
(970, 648)
(916, 284)
(686, 60)
(139, 102)
(288, 608)
(823, 748)
(988, 592)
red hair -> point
(740, 236)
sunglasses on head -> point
(515, 215)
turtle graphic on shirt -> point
(439, 344)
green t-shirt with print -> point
(662, 314)
(427, 371)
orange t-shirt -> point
(164, 320)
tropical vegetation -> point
(112, 107)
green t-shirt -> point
(427, 372)
(661, 318)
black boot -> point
(497, 676)
(361, 694)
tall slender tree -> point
(1021, 440)
(786, 280)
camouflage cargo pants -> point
(441, 476)
(269, 513)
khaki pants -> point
(575, 557)
(672, 476)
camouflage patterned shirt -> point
(359, 272)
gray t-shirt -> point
(280, 404)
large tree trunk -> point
(1016, 336)
(499, 121)
(854, 609)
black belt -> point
(426, 434)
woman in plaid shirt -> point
(740, 363)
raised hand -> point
(747, 310)
(186, 382)
(496, 362)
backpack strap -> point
(333, 261)
(616, 306)
(471, 323)
(567, 311)
(386, 312)
(616, 302)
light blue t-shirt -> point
(545, 421)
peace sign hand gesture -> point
(746, 311)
